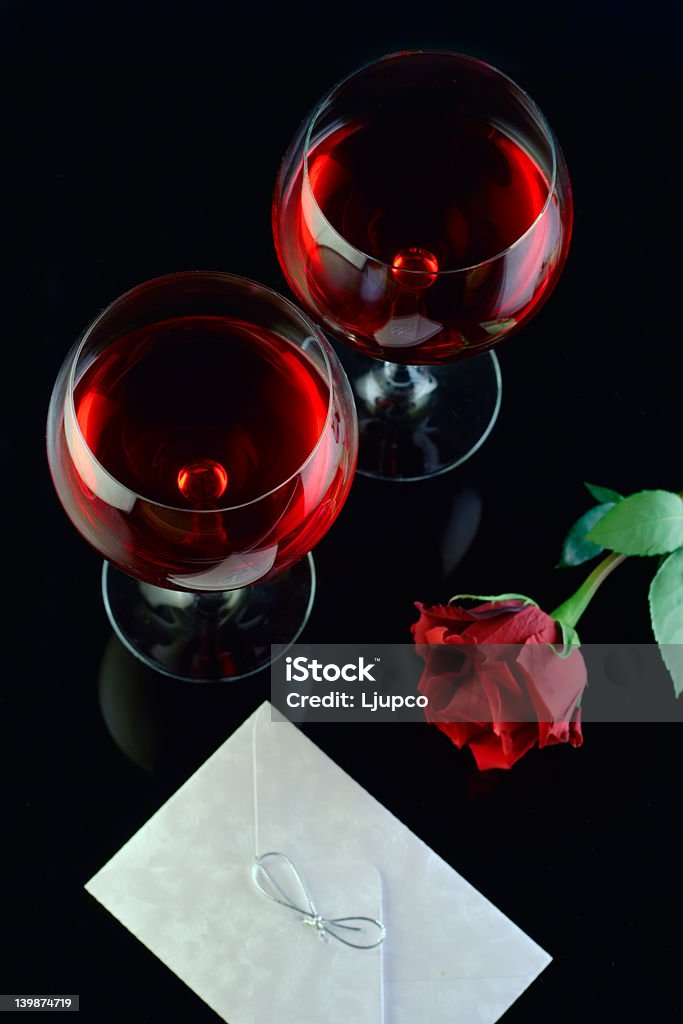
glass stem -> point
(219, 605)
(392, 389)
(397, 375)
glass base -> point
(209, 637)
(419, 421)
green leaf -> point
(493, 597)
(666, 612)
(576, 549)
(603, 493)
(647, 523)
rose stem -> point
(571, 610)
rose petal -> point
(554, 684)
(447, 616)
(505, 749)
(494, 682)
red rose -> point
(505, 689)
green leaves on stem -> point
(576, 548)
(666, 613)
(603, 494)
(646, 523)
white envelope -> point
(183, 886)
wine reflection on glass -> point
(202, 437)
(422, 214)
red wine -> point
(185, 466)
(420, 237)
(200, 413)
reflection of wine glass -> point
(422, 214)
(202, 437)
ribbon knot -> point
(318, 923)
(324, 926)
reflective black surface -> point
(143, 139)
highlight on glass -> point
(202, 437)
(421, 215)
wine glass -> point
(422, 214)
(202, 437)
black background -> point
(143, 139)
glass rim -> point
(288, 305)
(476, 61)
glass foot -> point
(419, 421)
(209, 637)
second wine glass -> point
(422, 214)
